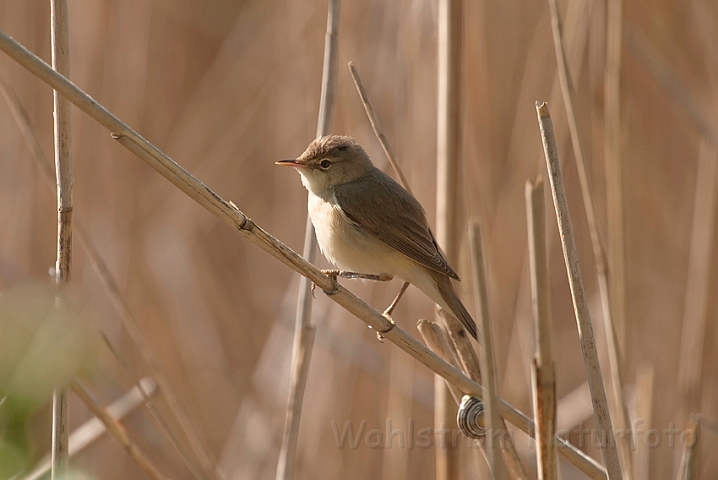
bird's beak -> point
(290, 163)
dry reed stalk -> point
(466, 354)
(93, 429)
(576, 34)
(115, 429)
(580, 304)
(643, 414)
(117, 299)
(228, 213)
(614, 176)
(689, 464)
(390, 466)
(157, 417)
(599, 256)
(490, 382)
(304, 330)
(544, 376)
(462, 346)
(695, 313)
(374, 121)
(448, 154)
(64, 176)
(436, 340)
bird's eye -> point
(325, 164)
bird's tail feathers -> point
(457, 308)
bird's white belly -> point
(353, 250)
(348, 247)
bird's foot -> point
(380, 335)
(332, 274)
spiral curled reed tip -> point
(471, 417)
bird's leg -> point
(382, 277)
(390, 308)
(387, 313)
(334, 273)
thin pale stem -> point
(544, 382)
(228, 213)
(490, 382)
(157, 416)
(620, 413)
(448, 146)
(63, 167)
(126, 316)
(614, 175)
(580, 304)
(116, 430)
(304, 330)
(93, 429)
(374, 121)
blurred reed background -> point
(226, 88)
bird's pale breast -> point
(347, 246)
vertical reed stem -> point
(544, 384)
(304, 330)
(447, 163)
(493, 422)
(63, 169)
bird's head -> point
(330, 161)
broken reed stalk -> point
(115, 429)
(599, 257)
(87, 433)
(304, 329)
(448, 156)
(580, 304)
(462, 346)
(63, 168)
(374, 121)
(481, 298)
(126, 317)
(544, 376)
(436, 340)
(228, 213)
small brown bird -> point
(366, 222)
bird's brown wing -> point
(393, 216)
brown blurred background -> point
(226, 88)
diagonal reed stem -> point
(116, 430)
(228, 213)
(126, 316)
(614, 355)
(580, 304)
